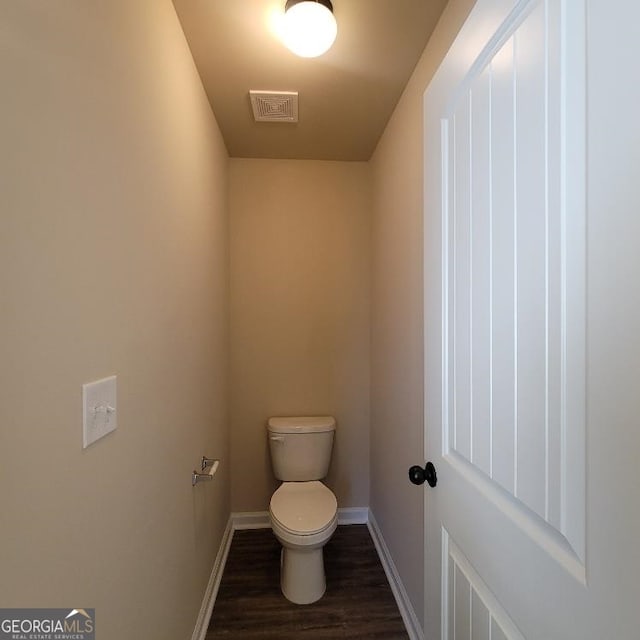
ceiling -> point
(345, 96)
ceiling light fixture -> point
(309, 27)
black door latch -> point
(418, 475)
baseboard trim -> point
(411, 622)
(250, 520)
(353, 515)
(260, 519)
(202, 623)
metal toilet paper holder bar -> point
(209, 467)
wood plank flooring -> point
(358, 602)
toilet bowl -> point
(304, 516)
(303, 511)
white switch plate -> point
(99, 414)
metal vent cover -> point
(274, 106)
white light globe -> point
(309, 29)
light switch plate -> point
(99, 410)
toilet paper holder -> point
(208, 467)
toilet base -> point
(302, 578)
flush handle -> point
(277, 438)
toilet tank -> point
(300, 447)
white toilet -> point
(303, 511)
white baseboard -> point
(411, 622)
(349, 515)
(250, 520)
(353, 515)
(202, 623)
(260, 519)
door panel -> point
(474, 613)
(523, 367)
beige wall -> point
(113, 259)
(300, 233)
(396, 317)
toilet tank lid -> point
(301, 424)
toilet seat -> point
(304, 508)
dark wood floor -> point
(358, 602)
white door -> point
(532, 317)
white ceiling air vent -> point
(274, 106)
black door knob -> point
(418, 475)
